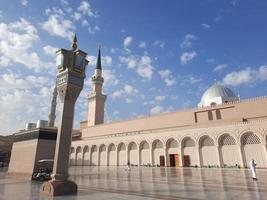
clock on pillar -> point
(71, 68)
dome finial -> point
(74, 42)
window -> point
(210, 117)
(218, 114)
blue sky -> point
(158, 56)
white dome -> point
(217, 94)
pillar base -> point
(59, 188)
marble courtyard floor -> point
(97, 183)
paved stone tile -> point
(96, 183)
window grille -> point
(207, 141)
(189, 142)
(227, 140)
(250, 138)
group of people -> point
(252, 166)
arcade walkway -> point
(96, 183)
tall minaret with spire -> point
(52, 114)
(96, 100)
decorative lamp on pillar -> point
(71, 65)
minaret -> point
(96, 100)
(52, 115)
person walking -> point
(252, 165)
(128, 166)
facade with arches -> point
(182, 138)
(223, 131)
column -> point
(107, 158)
(265, 152)
(139, 157)
(181, 156)
(76, 162)
(98, 157)
(166, 156)
(219, 156)
(199, 157)
(127, 153)
(242, 163)
(151, 154)
(116, 157)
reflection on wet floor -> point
(150, 183)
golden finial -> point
(74, 43)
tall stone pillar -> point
(151, 154)
(70, 78)
(219, 156)
(52, 114)
(166, 155)
(139, 156)
(242, 163)
(181, 156)
(199, 159)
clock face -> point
(79, 62)
(60, 59)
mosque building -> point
(223, 131)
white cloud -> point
(145, 68)
(85, 8)
(159, 43)
(20, 97)
(187, 41)
(24, 2)
(105, 60)
(220, 67)
(160, 98)
(156, 110)
(93, 29)
(190, 79)
(128, 100)
(128, 90)
(130, 61)
(15, 41)
(110, 78)
(50, 50)
(167, 76)
(16, 81)
(142, 44)
(205, 26)
(127, 42)
(245, 76)
(142, 65)
(117, 94)
(77, 16)
(58, 25)
(4, 61)
(187, 56)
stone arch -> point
(157, 152)
(252, 148)
(122, 154)
(72, 156)
(145, 153)
(79, 156)
(172, 148)
(102, 155)
(86, 155)
(208, 151)
(228, 150)
(112, 157)
(133, 153)
(189, 151)
(94, 157)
